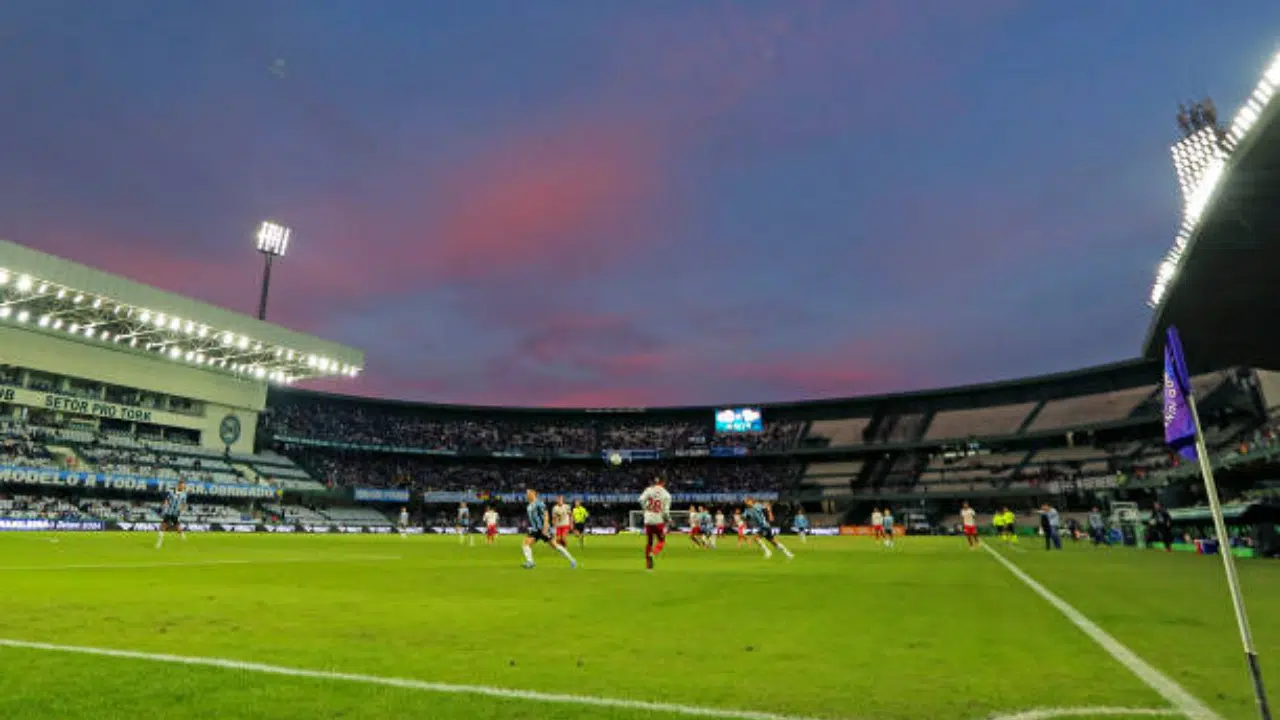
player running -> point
(656, 503)
(801, 524)
(580, 516)
(877, 524)
(719, 522)
(886, 522)
(741, 525)
(539, 529)
(969, 520)
(403, 523)
(462, 525)
(561, 520)
(171, 513)
(490, 518)
(708, 526)
(760, 515)
(695, 528)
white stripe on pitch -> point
(407, 684)
(1065, 712)
(196, 563)
(1185, 703)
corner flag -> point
(1179, 426)
(1182, 433)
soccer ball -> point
(615, 459)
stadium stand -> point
(979, 422)
(1090, 409)
(840, 433)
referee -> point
(1162, 523)
(580, 516)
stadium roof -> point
(46, 293)
(1218, 285)
(1098, 379)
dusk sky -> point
(607, 203)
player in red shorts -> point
(561, 520)
(695, 530)
(741, 525)
(969, 519)
(877, 524)
(490, 525)
(656, 503)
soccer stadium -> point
(193, 530)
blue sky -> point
(630, 203)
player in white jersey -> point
(403, 523)
(969, 519)
(561, 520)
(877, 524)
(719, 522)
(490, 525)
(740, 525)
(656, 503)
(695, 528)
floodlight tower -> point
(273, 240)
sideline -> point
(1183, 701)
(405, 683)
(197, 563)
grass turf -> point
(847, 630)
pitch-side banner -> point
(387, 495)
(594, 498)
(13, 475)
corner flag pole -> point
(1220, 526)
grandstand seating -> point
(978, 422)
(841, 433)
(1089, 409)
(832, 474)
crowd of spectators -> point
(424, 473)
(24, 446)
(367, 425)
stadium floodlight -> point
(5, 311)
(4, 277)
(23, 316)
(273, 241)
(24, 283)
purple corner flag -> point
(1179, 428)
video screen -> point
(739, 420)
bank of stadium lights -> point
(1204, 158)
(169, 335)
(273, 241)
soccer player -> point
(719, 522)
(801, 524)
(170, 515)
(490, 525)
(539, 530)
(656, 503)
(877, 524)
(561, 520)
(708, 527)
(695, 528)
(741, 525)
(886, 522)
(580, 516)
(1098, 528)
(1010, 522)
(403, 524)
(462, 525)
(760, 515)
(969, 519)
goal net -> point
(679, 520)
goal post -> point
(679, 520)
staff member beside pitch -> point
(580, 516)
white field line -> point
(407, 684)
(1066, 712)
(197, 563)
(1183, 701)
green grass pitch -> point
(847, 630)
